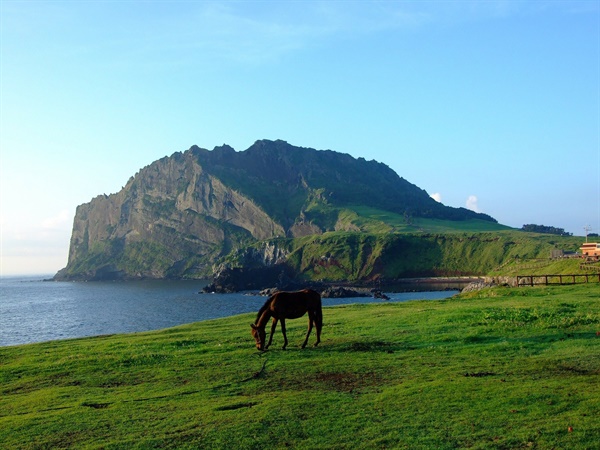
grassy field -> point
(496, 369)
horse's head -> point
(259, 336)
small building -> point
(590, 250)
(558, 253)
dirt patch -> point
(346, 381)
(375, 346)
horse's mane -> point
(263, 308)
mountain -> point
(182, 214)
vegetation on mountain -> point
(496, 369)
(285, 180)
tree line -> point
(545, 229)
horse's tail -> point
(317, 315)
(319, 318)
(317, 308)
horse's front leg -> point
(285, 341)
(273, 326)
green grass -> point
(567, 266)
(375, 220)
(500, 369)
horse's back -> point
(296, 303)
(312, 298)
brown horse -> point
(288, 305)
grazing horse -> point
(288, 305)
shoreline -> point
(415, 284)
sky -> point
(489, 105)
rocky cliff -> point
(181, 214)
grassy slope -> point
(355, 255)
(378, 221)
(503, 368)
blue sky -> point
(491, 105)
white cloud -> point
(472, 203)
(437, 197)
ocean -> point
(33, 310)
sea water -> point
(33, 310)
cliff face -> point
(171, 218)
(179, 215)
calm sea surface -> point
(32, 310)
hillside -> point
(181, 215)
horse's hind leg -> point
(311, 319)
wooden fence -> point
(590, 265)
(534, 280)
